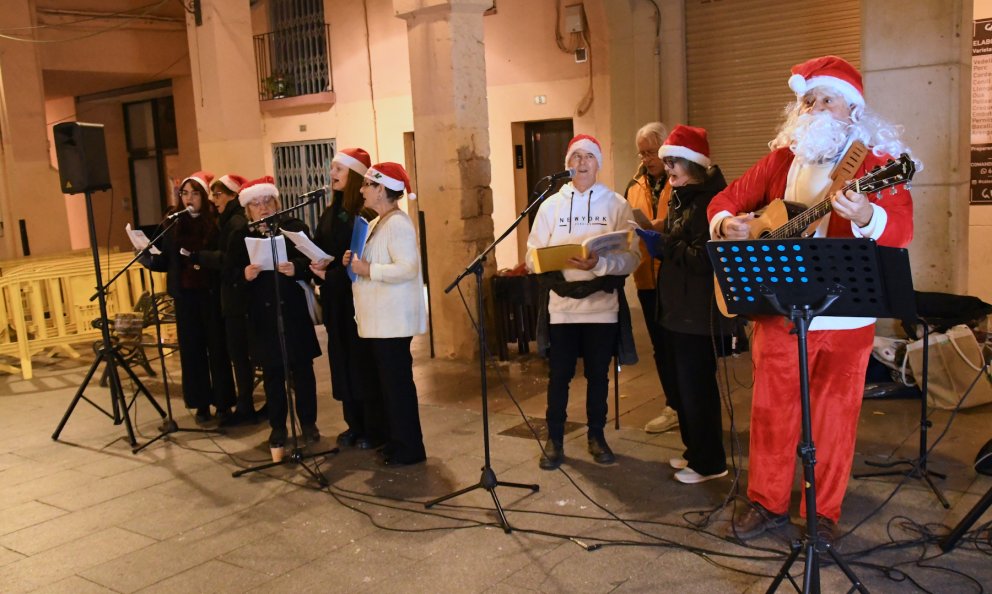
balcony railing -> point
(293, 62)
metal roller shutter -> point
(738, 55)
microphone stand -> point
(296, 455)
(488, 480)
(169, 426)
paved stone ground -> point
(85, 515)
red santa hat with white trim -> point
(231, 181)
(201, 177)
(584, 142)
(687, 142)
(832, 72)
(355, 159)
(256, 188)
(391, 175)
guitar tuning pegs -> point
(909, 186)
(893, 190)
(875, 168)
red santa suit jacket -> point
(891, 223)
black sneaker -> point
(203, 414)
(554, 453)
(600, 450)
(311, 434)
(347, 438)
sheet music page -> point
(307, 247)
(139, 240)
(260, 252)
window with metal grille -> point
(294, 58)
(301, 167)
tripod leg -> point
(855, 582)
(935, 489)
(444, 498)
(79, 394)
(784, 571)
(534, 488)
(499, 510)
(137, 382)
(117, 395)
(970, 518)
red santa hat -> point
(584, 142)
(355, 159)
(231, 181)
(687, 142)
(263, 186)
(391, 175)
(829, 71)
(201, 177)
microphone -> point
(314, 194)
(177, 214)
(570, 172)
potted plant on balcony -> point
(279, 85)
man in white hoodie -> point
(583, 306)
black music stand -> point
(802, 279)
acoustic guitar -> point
(783, 219)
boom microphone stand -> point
(297, 455)
(109, 354)
(488, 480)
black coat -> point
(301, 340)
(231, 236)
(685, 284)
(179, 268)
(333, 235)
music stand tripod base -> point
(801, 279)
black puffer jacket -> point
(231, 238)
(685, 285)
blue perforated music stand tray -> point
(871, 280)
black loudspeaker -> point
(82, 156)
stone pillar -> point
(451, 123)
(29, 186)
(935, 70)
(225, 89)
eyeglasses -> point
(647, 154)
(263, 201)
(370, 184)
(216, 193)
(185, 193)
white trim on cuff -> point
(715, 223)
(875, 227)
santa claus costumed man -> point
(828, 115)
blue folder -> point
(358, 236)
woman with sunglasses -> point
(206, 368)
(390, 309)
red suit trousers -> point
(837, 361)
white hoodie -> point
(571, 216)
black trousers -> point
(304, 392)
(596, 344)
(202, 351)
(398, 393)
(689, 380)
(649, 305)
(352, 365)
(239, 350)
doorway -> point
(545, 143)
(150, 131)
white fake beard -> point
(818, 138)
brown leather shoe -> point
(755, 521)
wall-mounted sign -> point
(981, 112)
